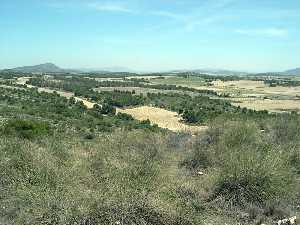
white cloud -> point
(188, 21)
(111, 7)
(271, 32)
(170, 15)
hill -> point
(293, 71)
(41, 68)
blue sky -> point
(151, 35)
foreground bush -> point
(113, 179)
(250, 166)
(26, 128)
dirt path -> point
(23, 80)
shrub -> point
(89, 136)
(108, 109)
(253, 169)
(251, 176)
(26, 128)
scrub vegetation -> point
(63, 163)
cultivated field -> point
(270, 105)
(180, 81)
(245, 93)
(163, 118)
(140, 90)
(257, 87)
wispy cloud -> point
(189, 21)
(111, 7)
(203, 15)
(170, 15)
(270, 32)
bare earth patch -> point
(163, 118)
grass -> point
(249, 167)
(135, 177)
(115, 178)
(181, 81)
(79, 174)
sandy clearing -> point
(163, 118)
(22, 80)
(68, 95)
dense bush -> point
(26, 128)
(251, 167)
(114, 179)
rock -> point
(293, 220)
(290, 221)
(199, 173)
(282, 222)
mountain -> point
(42, 68)
(293, 71)
(52, 68)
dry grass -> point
(141, 90)
(257, 87)
(270, 105)
(163, 118)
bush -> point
(250, 176)
(26, 128)
(108, 109)
(253, 169)
(113, 179)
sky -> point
(151, 35)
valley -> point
(171, 143)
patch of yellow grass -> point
(163, 118)
(258, 87)
(270, 105)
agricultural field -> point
(144, 91)
(180, 81)
(248, 93)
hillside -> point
(151, 158)
(41, 68)
(293, 71)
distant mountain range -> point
(293, 71)
(52, 68)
